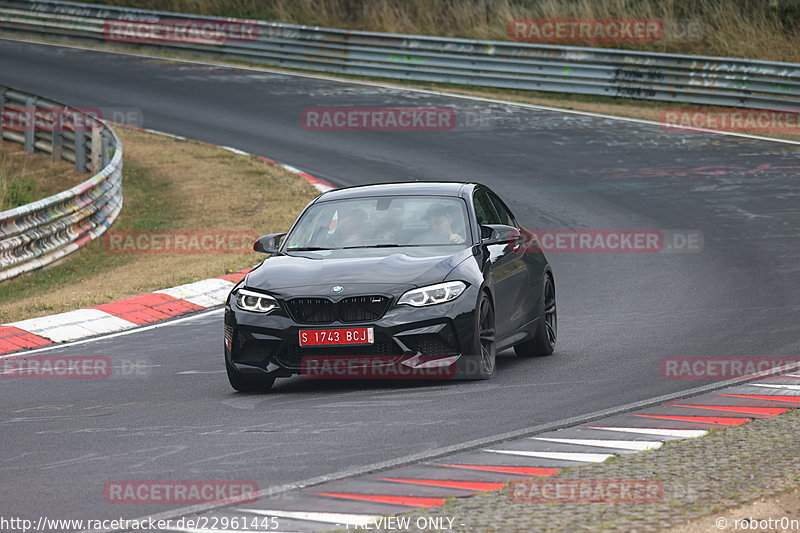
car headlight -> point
(255, 301)
(433, 294)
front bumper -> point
(268, 345)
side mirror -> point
(268, 244)
(499, 234)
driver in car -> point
(350, 230)
(440, 224)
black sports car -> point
(414, 279)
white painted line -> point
(792, 375)
(680, 433)
(73, 325)
(637, 445)
(319, 186)
(388, 85)
(770, 386)
(205, 293)
(148, 130)
(234, 150)
(344, 519)
(290, 168)
(111, 336)
(202, 372)
(561, 456)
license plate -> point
(327, 337)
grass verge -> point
(26, 177)
(169, 185)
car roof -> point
(422, 188)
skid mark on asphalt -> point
(150, 455)
(280, 401)
(246, 454)
(374, 403)
(40, 408)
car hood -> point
(315, 272)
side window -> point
(505, 215)
(484, 211)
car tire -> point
(482, 366)
(243, 383)
(544, 342)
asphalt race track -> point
(175, 416)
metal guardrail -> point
(594, 71)
(39, 233)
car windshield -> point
(377, 222)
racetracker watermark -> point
(719, 368)
(620, 241)
(609, 491)
(179, 242)
(604, 30)
(190, 31)
(378, 119)
(747, 120)
(557, 30)
(55, 118)
(55, 367)
(378, 367)
(180, 492)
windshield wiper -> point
(318, 248)
(385, 245)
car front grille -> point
(362, 308)
(324, 311)
(312, 310)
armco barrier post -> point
(57, 136)
(97, 149)
(106, 148)
(2, 110)
(30, 129)
(80, 147)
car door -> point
(524, 272)
(505, 265)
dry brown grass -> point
(169, 185)
(739, 28)
(27, 177)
